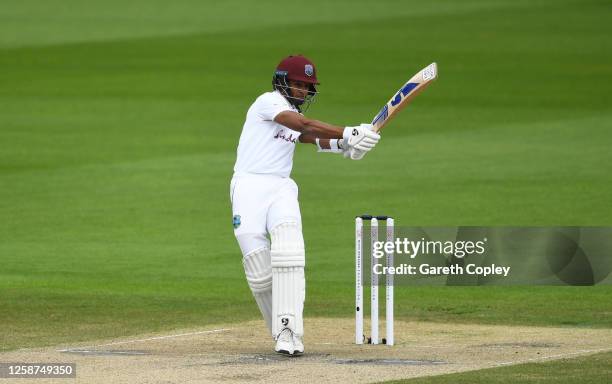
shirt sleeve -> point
(270, 105)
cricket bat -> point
(404, 96)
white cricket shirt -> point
(266, 147)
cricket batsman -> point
(266, 213)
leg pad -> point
(288, 283)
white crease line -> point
(407, 346)
(582, 352)
(427, 346)
(148, 339)
(96, 352)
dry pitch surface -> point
(243, 352)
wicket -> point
(359, 335)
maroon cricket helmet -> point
(298, 68)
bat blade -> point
(404, 95)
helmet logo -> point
(308, 70)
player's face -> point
(299, 89)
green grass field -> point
(593, 369)
(119, 124)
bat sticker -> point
(403, 92)
(382, 115)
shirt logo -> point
(236, 221)
(308, 70)
(281, 135)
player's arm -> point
(353, 142)
(327, 137)
(309, 128)
(324, 145)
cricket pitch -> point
(239, 353)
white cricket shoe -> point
(298, 345)
(285, 343)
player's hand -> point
(367, 126)
(354, 154)
(361, 138)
